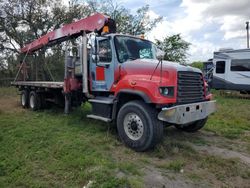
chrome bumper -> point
(183, 114)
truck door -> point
(102, 73)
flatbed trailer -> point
(39, 94)
(38, 84)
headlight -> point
(167, 91)
(164, 91)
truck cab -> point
(114, 52)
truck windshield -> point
(131, 48)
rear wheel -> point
(34, 101)
(24, 98)
(193, 127)
(138, 126)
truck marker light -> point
(105, 29)
(133, 83)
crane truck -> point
(126, 81)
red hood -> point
(139, 75)
(144, 69)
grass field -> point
(49, 149)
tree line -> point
(22, 21)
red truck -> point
(125, 80)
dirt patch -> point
(10, 104)
(155, 178)
(213, 140)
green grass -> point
(232, 118)
(194, 176)
(45, 149)
(174, 165)
(8, 91)
(224, 168)
(50, 149)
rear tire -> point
(24, 98)
(138, 126)
(34, 101)
(193, 127)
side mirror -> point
(95, 55)
(160, 54)
(95, 58)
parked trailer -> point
(125, 80)
(230, 70)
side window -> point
(105, 54)
(240, 65)
(220, 67)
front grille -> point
(190, 87)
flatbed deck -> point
(56, 85)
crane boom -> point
(72, 30)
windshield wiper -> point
(132, 58)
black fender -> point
(139, 94)
(133, 92)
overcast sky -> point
(208, 24)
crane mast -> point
(73, 30)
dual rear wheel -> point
(32, 100)
(24, 98)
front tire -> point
(138, 126)
(193, 127)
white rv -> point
(231, 70)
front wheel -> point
(193, 127)
(138, 126)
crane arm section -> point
(72, 30)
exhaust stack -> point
(247, 28)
